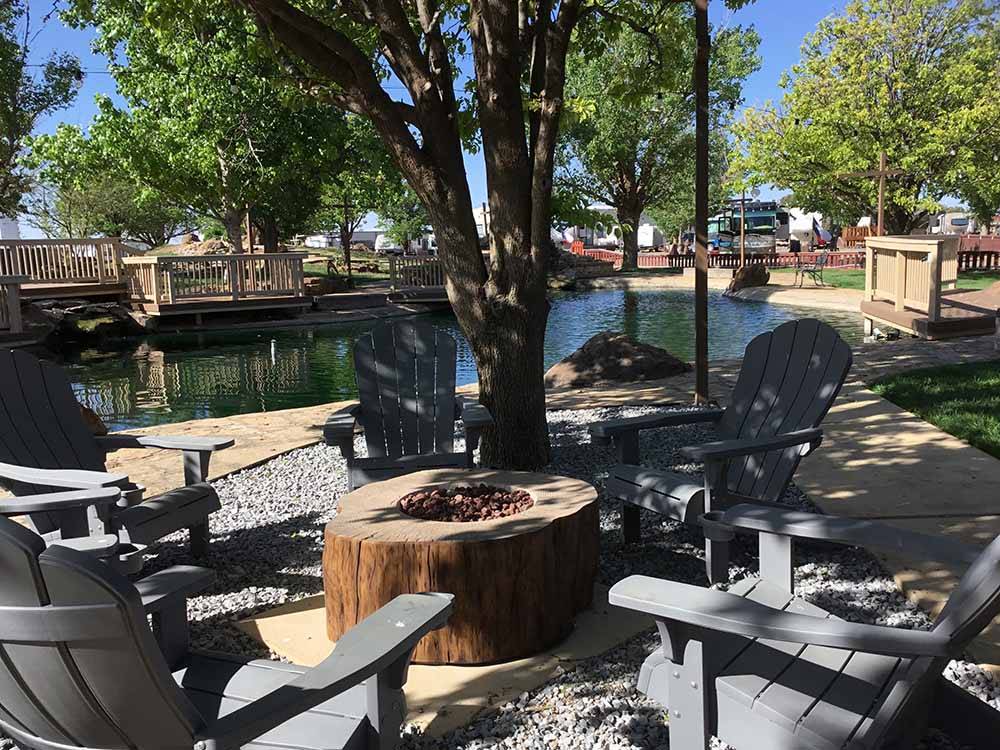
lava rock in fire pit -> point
(465, 504)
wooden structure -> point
(759, 667)
(418, 271)
(855, 236)
(788, 381)
(910, 284)
(48, 445)
(177, 284)
(518, 581)
(405, 373)
(66, 268)
(82, 667)
(10, 304)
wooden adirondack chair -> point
(82, 669)
(45, 446)
(761, 668)
(407, 408)
(788, 381)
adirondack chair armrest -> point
(720, 611)
(725, 449)
(197, 450)
(164, 599)
(173, 586)
(72, 479)
(851, 531)
(380, 645)
(603, 432)
(117, 442)
(57, 501)
(475, 417)
(340, 428)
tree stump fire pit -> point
(519, 579)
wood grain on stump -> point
(518, 581)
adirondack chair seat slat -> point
(675, 495)
(218, 686)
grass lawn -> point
(962, 400)
(854, 278)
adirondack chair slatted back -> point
(78, 664)
(406, 385)
(40, 421)
(789, 380)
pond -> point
(176, 377)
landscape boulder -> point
(77, 320)
(614, 357)
(755, 274)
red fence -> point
(974, 243)
(988, 259)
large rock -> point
(755, 274)
(76, 320)
(613, 357)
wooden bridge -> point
(56, 269)
(418, 278)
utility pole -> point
(702, 52)
(743, 227)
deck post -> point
(900, 280)
(869, 272)
(934, 286)
(171, 290)
(234, 277)
(156, 281)
(12, 293)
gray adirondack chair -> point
(81, 668)
(407, 408)
(45, 446)
(760, 668)
(787, 383)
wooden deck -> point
(223, 304)
(109, 290)
(963, 313)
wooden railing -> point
(65, 261)
(10, 303)
(979, 261)
(183, 278)
(419, 271)
(976, 243)
(911, 272)
(840, 259)
(854, 236)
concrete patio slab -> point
(441, 698)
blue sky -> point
(782, 25)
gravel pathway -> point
(267, 544)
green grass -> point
(854, 278)
(962, 400)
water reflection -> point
(176, 377)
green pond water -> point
(176, 377)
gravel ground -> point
(267, 543)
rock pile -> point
(616, 358)
(465, 504)
(755, 274)
(79, 320)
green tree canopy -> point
(913, 78)
(25, 97)
(632, 144)
(212, 122)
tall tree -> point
(24, 97)
(633, 149)
(211, 120)
(902, 77)
(350, 54)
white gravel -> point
(267, 545)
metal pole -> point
(701, 201)
(743, 228)
(882, 166)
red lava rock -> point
(465, 504)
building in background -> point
(9, 230)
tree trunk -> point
(346, 237)
(628, 220)
(508, 342)
(232, 220)
(269, 234)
